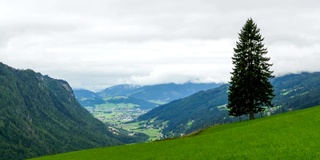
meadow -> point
(136, 127)
(292, 135)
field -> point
(293, 135)
(119, 115)
(116, 114)
(136, 127)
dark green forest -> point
(297, 91)
(40, 116)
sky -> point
(95, 44)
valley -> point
(39, 114)
(116, 114)
(122, 115)
(120, 106)
(159, 80)
(197, 111)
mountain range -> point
(40, 115)
(207, 108)
(163, 93)
(88, 98)
(144, 97)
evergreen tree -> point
(250, 89)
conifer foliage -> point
(250, 89)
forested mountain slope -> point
(297, 91)
(206, 108)
(40, 116)
(189, 114)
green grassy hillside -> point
(292, 135)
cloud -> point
(182, 73)
(95, 44)
(288, 58)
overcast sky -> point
(95, 44)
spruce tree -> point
(250, 89)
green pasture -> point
(293, 135)
(159, 102)
(112, 105)
(135, 127)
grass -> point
(118, 105)
(152, 132)
(158, 102)
(293, 135)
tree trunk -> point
(251, 115)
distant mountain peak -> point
(158, 92)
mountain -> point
(40, 116)
(139, 103)
(189, 114)
(87, 98)
(161, 93)
(119, 90)
(90, 99)
(143, 97)
(206, 108)
(171, 91)
(297, 91)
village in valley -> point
(122, 116)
